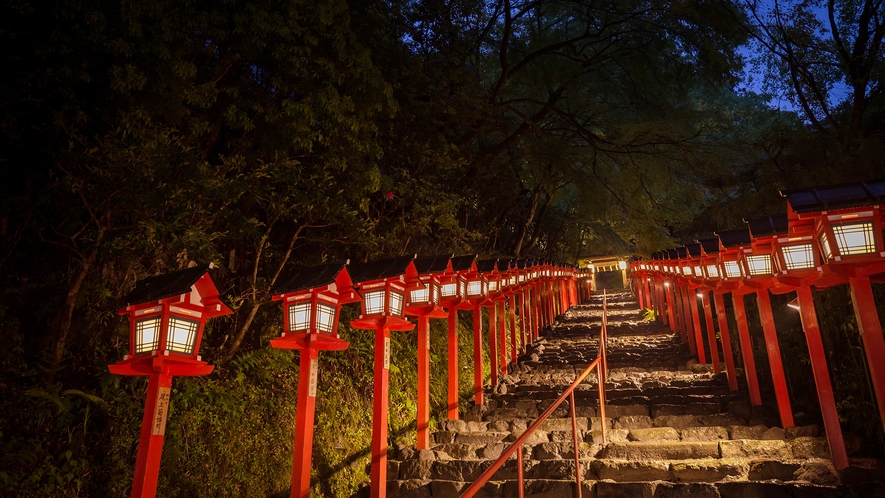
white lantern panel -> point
(855, 238)
(396, 304)
(798, 256)
(463, 288)
(712, 271)
(420, 295)
(147, 335)
(325, 318)
(697, 271)
(182, 335)
(374, 302)
(686, 270)
(449, 290)
(474, 288)
(825, 246)
(732, 270)
(493, 286)
(299, 317)
(759, 264)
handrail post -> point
(575, 446)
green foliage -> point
(139, 138)
(648, 315)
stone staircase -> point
(673, 428)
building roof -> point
(841, 196)
(167, 285)
(308, 278)
(763, 226)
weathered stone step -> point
(682, 480)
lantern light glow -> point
(798, 257)
(855, 238)
(759, 264)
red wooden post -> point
(304, 420)
(711, 332)
(452, 373)
(477, 355)
(871, 334)
(822, 377)
(740, 314)
(648, 295)
(727, 353)
(493, 343)
(685, 315)
(523, 332)
(671, 311)
(696, 322)
(150, 442)
(502, 330)
(379, 412)
(774, 359)
(423, 438)
(513, 341)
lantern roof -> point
(841, 196)
(681, 252)
(301, 279)
(522, 264)
(672, 254)
(487, 265)
(464, 263)
(694, 250)
(504, 265)
(710, 246)
(433, 264)
(734, 238)
(379, 270)
(169, 285)
(768, 226)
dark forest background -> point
(139, 137)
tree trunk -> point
(67, 310)
(255, 299)
(517, 247)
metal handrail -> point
(601, 366)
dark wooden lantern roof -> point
(433, 264)
(380, 270)
(167, 285)
(841, 196)
(308, 278)
(768, 226)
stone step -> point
(551, 488)
(649, 444)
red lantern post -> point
(311, 300)
(423, 303)
(488, 268)
(477, 297)
(167, 316)
(383, 285)
(731, 244)
(846, 223)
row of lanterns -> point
(167, 315)
(830, 235)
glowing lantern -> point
(167, 315)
